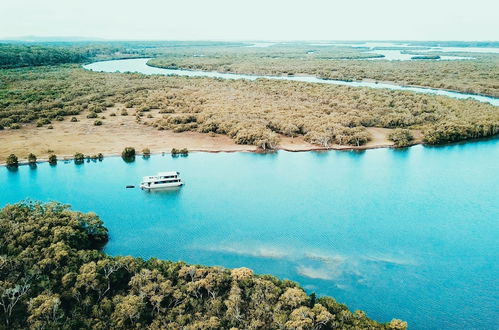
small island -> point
(425, 57)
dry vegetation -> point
(480, 76)
(253, 113)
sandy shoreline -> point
(67, 138)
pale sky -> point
(253, 19)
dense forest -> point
(250, 112)
(12, 56)
(54, 275)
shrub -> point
(59, 118)
(32, 158)
(42, 121)
(12, 161)
(112, 114)
(79, 158)
(15, 126)
(50, 127)
(128, 153)
(100, 156)
(92, 115)
(146, 151)
(52, 159)
(74, 119)
(402, 137)
(98, 123)
(124, 112)
(182, 152)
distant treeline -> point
(54, 275)
(13, 56)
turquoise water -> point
(140, 65)
(411, 234)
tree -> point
(12, 161)
(79, 158)
(45, 311)
(52, 159)
(128, 154)
(31, 159)
(10, 297)
(73, 284)
(401, 137)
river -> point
(140, 65)
(410, 234)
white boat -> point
(161, 180)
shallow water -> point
(397, 55)
(139, 65)
(408, 233)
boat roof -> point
(170, 173)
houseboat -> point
(161, 180)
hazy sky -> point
(253, 19)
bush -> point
(15, 126)
(146, 151)
(98, 123)
(182, 152)
(12, 161)
(59, 118)
(79, 158)
(74, 119)
(50, 127)
(92, 115)
(124, 112)
(42, 121)
(402, 137)
(100, 156)
(32, 158)
(52, 159)
(128, 153)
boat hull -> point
(160, 185)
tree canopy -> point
(54, 275)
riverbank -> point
(66, 138)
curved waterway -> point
(411, 233)
(140, 65)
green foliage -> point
(54, 275)
(92, 115)
(98, 123)
(42, 121)
(181, 152)
(249, 112)
(401, 137)
(79, 158)
(128, 153)
(15, 126)
(459, 131)
(32, 158)
(74, 119)
(478, 76)
(146, 151)
(52, 159)
(13, 56)
(12, 161)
